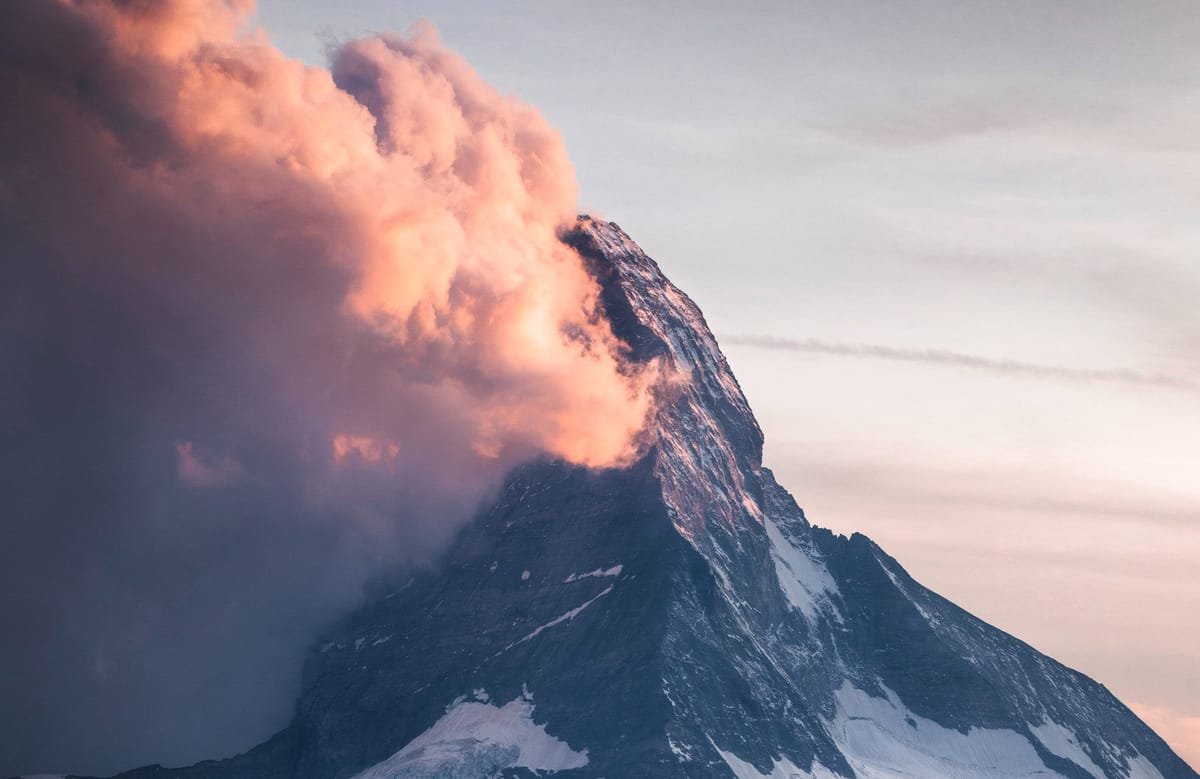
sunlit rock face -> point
(678, 618)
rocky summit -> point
(680, 618)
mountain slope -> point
(681, 617)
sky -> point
(952, 253)
(948, 250)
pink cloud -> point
(374, 247)
(197, 469)
(276, 330)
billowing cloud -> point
(267, 331)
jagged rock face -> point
(681, 618)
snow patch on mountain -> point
(782, 768)
(479, 739)
(883, 739)
(806, 583)
(1141, 768)
(614, 571)
(1063, 742)
(925, 613)
(570, 615)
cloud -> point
(206, 470)
(937, 491)
(947, 358)
(1154, 284)
(268, 332)
(902, 127)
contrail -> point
(963, 360)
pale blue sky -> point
(1015, 181)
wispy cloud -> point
(948, 358)
(937, 121)
(879, 485)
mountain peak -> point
(657, 319)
